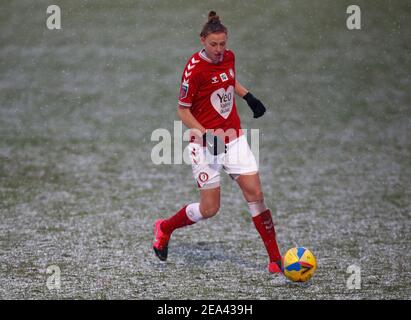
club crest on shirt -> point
(214, 80)
(223, 77)
(183, 90)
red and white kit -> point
(208, 89)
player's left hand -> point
(256, 105)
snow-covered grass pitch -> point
(79, 192)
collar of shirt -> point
(203, 55)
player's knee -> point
(255, 195)
(210, 211)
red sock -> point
(265, 227)
(179, 220)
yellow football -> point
(299, 264)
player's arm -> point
(240, 89)
(214, 144)
(256, 105)
(188, 119)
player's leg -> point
(208, 182)
(187, 215)
(209, 202)
(251, 187)
(242, 166)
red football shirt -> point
(207, 88)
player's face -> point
(214, 45)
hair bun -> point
(213, 17)
(213, 25)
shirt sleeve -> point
(188, 88)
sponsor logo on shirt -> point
(222, 101)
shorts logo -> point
(203, 176)
(183, 90)
(223, 77)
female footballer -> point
(207, 106)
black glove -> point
(214, 144)
(255, 105)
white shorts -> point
(237, 160)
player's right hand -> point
(214, 144)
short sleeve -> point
(188, 89)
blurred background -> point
(78, 188)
